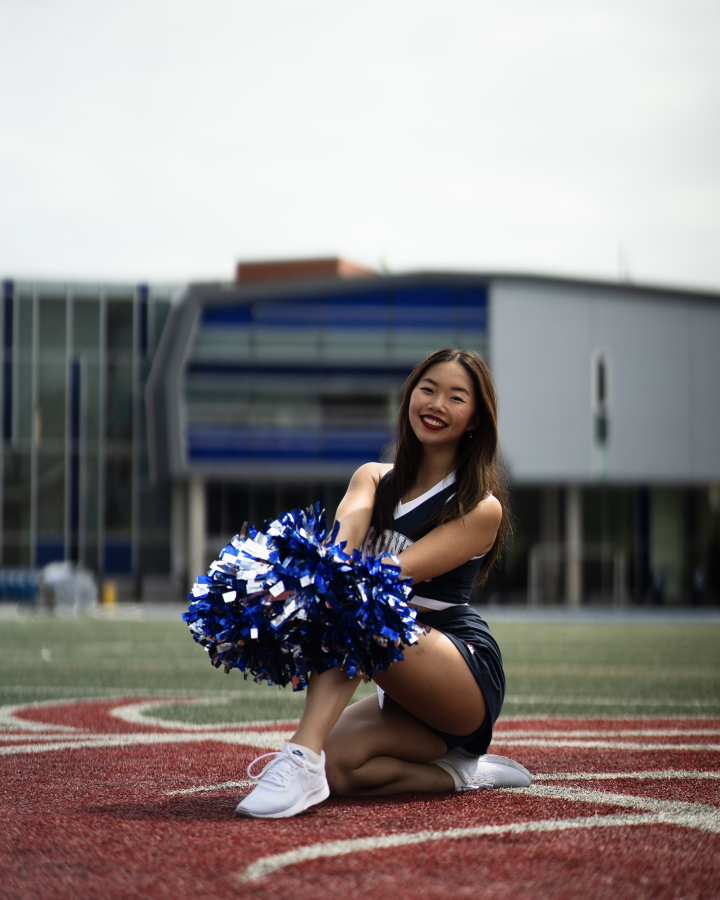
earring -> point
(470, 434)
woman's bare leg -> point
(383, 751)
(326, 698)
(386, 751)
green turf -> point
(566, 669)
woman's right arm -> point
(355, 510)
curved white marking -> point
(697, 816)
(212, 787)
(598, 745)
(270, 864)
(600, 733)
(607, 701)
(701, 816)
(656, 775)
(267, 740)
(8, 718)
(135, 714)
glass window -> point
(86, 315)
(53, 319)
(119, 401)
(51, 493)
(119, 325)
(51, 399)
(118, 493)
(25, 321)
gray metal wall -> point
(663, 359)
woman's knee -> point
(339, 768)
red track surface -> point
(91, 810)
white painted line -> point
(267, 740)
(48, 736)
(212, 787)
(136, 714)
(268, 865)
(656, 775)
(700, 816)
(9, 719)
(601, 745)
(600, 733)
(696, 816)
(533, 699)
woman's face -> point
(442, 405)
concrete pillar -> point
(573, 545)
(196, 528)
(550, 538)
(179, 538)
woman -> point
(440, 510)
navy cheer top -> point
(410, 520)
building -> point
(73, 459)
(140, 433)
(269, 392)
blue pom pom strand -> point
(288, 599)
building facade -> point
(268, 395)
(73, 458)
(141, 428)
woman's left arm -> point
(454, 543)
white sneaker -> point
(288, 784)
(471, 773)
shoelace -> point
(279, 770)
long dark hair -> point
(478, 467)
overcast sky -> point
(166, 139)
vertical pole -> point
(6, 298)
(102, 388)
(36, 425)
(69, 449)
(179, 537)
(135, 460)
(82, 466)
(15, 348)
(196, 527)
(549, 538)
(573, 545)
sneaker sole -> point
(306, 801)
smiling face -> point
(442, 405)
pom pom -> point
(283, 601)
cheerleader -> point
(441, 510)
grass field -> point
(572, 669)
(123, 754)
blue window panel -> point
(366, 310)
(364, 445)
(227, 315)
(219, 442)
(330, 371)
(471, 308)
(285, 444)
(297, 313)
(423, 295)
(117, 557)
(379, 297)
(47, 551)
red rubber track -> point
(100, 822)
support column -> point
(550, 541)
(573, 545)
(179, 538)
(196, 528)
